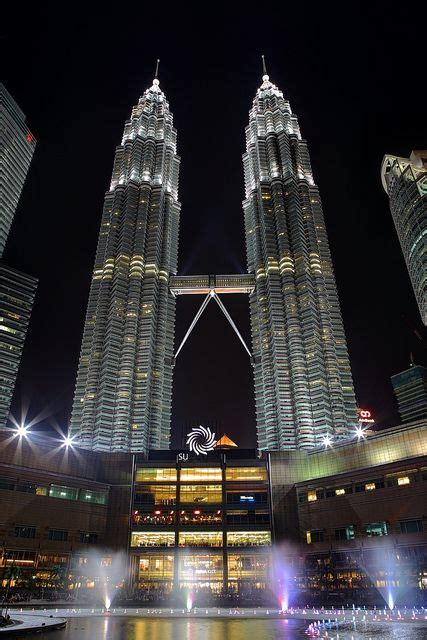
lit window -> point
(339, 492)
(153, 539)
(246, 473)
(201, 474)
(201, 494)
(248, 538)
(311, 496)
(196, 539)
(369, 486)
(150, 474)
(403, 480)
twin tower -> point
(303, 384)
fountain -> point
(108, 570)
(284, 580)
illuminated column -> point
(17, 145)
(123, 392)
(303, 383)
(405, 182)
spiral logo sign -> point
(201, 440)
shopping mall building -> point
(214, 521)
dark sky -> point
(354, 78)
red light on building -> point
(365, 416)
(30, 137)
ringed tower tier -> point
(122, 399)
(303, 384)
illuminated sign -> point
(247, 499)
(201, 440)
(365, 416)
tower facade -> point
(17, 145)
(303, 384)
(405, 182)
(123, 391)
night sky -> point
(355, 80)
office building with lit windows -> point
(201, 524)
(17, 145)
(17, 292)
(303, 383)
(405, 182)
(219, 524)
(122, 398)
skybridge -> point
(211, 286)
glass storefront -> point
(248, 538)
(201, 494)
(196, 568)
(151, 474)
(156, 567)
(200, 539)
(248, 567)
(155, 494)
(153, 539)
(201, 474)
(239, 474)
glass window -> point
(248, 538)
(197, 568)
(150, 474)
(370, 486)
(246, 473)
(23, 531)
(241, 516)
(156, 516)
(152, 539)
(247, 497)
(200, 539)
(200, 516)
(96, 497)
(312, 496)
(201, 474)
(314, 536)
(152, 567)
(253, 567)
(66, 493)
(376, 529)
(403, 480)
(345, 533)
(88, 538)
(201, 493)
(58, 534)
(161, 494)
(411, 526)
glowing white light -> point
(68, 441)
(327, 442)
(360, 433)
(22, 431)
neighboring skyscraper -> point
(405, 181)
(17, 145)
(17, 292)
(410, 388)
(303, 384)
(124, 382)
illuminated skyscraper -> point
(303, 384)
(123, 392)
(17, 145)
(405, 182)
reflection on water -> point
(117, 628)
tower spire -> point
(264, 68)
(157, 69)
